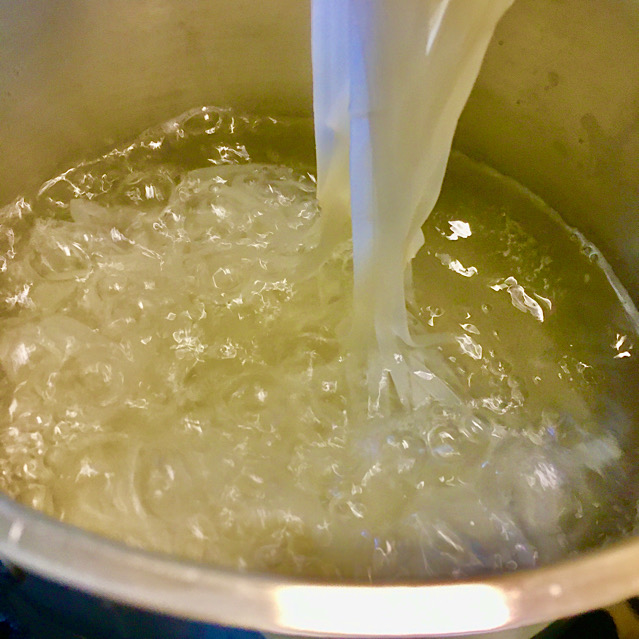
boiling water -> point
(169, 378)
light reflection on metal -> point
(393, 610)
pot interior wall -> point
(78, 76)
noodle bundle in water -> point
(390, 82)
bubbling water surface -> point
(171, 381)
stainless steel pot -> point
(556, 107)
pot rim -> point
(68, 555)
